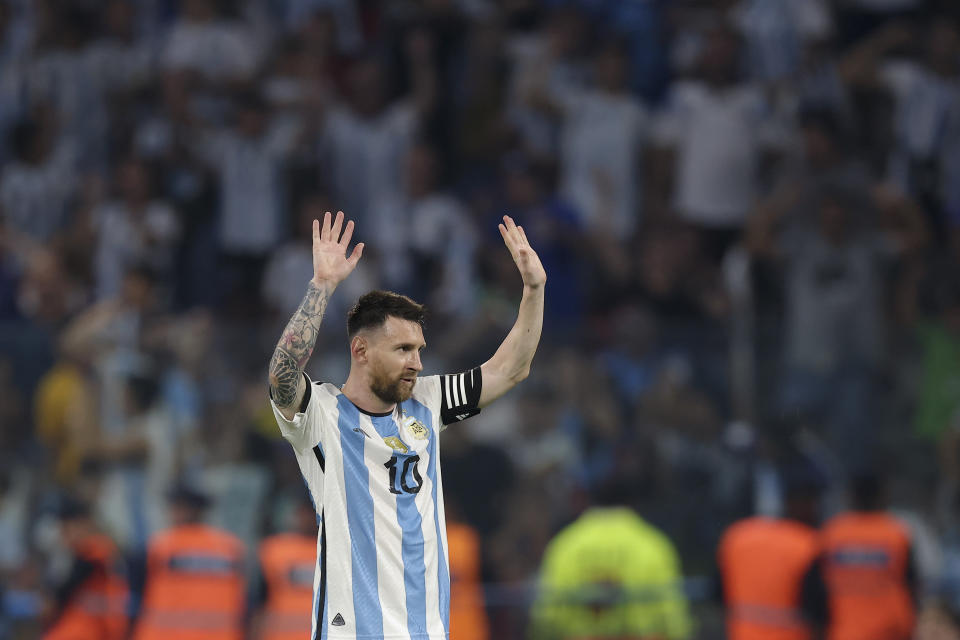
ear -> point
(358, 348)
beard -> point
(391, 389)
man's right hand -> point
(331, 265)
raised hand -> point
(523, 254)
(331, 264)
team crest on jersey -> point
(417, 428)
(396, 444)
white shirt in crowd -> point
(125, 239)
(834, 300)
(344, 12)
(133, 501)
(121, 65)
(34, 198)
(926, 121)
(218, 49)
(435, 226)
(774, 32)
(289, 269)
(534, 66)
(251, 206)
(718, 136)
(69, 82)
(601, 150)
(368, 154)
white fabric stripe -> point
(471, 378)
(425, 506)
(456, 394)
(463, 389)
(390, 585)
(313, 478)
(446, 396)
(339, 559)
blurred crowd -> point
(748, 210)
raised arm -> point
(330, 266)
(511, 363)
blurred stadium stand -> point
(748, 211)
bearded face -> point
(394, 359)
(391, 388)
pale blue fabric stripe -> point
(411, 548)
(363, 542)
(424, 415)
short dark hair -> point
(373, 309)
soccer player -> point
(368, 450)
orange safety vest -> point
(288, 562)
(97, 610)
(762, 563)
(468, 617)
(195, 586)
(865, 565)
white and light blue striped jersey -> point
(382, 566)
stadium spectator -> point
(715, 130)
(63, 75)
(602, 142)
(209, 46)
(133, 229)
(482, 129)
(923, 160)
(834, 271)
(553, 224)
(123, 59)
(409, 228)
(248, 159)
(551, 58)
(367, 137)
(36, 188)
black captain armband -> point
(460, 395)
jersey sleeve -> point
(460, 395)
(454, 397)
(303, 432)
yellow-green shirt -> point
(610, 554)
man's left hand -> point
(526, 259)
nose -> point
(415, 363)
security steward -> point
(195, 587)
(869, 568)
(611, 574)
(770, 578)
(91, 603)
(468, 615)
(287, 564)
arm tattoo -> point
(295, 346)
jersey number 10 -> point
(407, 463)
